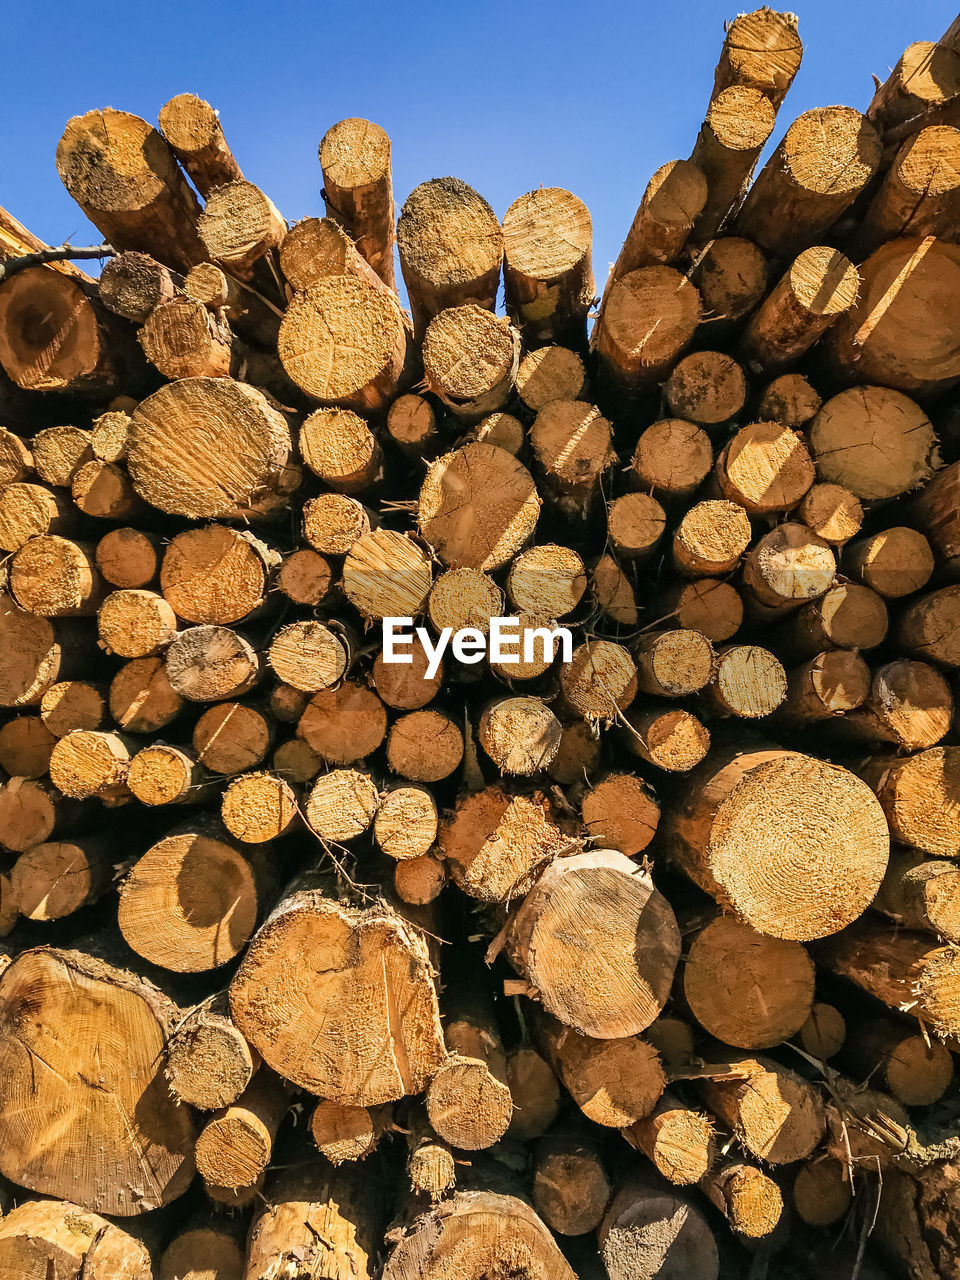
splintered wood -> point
(479, 787)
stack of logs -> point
(642, 963)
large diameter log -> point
(215, 575)
(787, 566)
(239, 226)
(910, 705)
(495, 842)
(920, 795)
(794, 846)
(192, 128)
(747, 989)
(907, 972)
(55, 878)
(920, 195)
(818, 287)
(655, 1234)
(671, 203)
(672, 458)
(572, 444)
(55, 336)
(774, 1113)
(316, 1222)
(649, 317)
(471, 1236)
(60, 1240)
(825, 160)
(547, 265)
(190, 903)
(902, 331)
(208, 447)
(874, 441)
(451, 248)
(614, 1082)
(893, 562)
(848, 616)
(208, 664)
(478, 506)
(339, 447)
(470, 360)
(830, 684)
(926, 76)
(634, 935)
(123, 1146)
(766, 468)
(358, 189)
(706, 387)
(358, 1020)
(124, 177)
(344, 342)
(738, 123)
(762, 50)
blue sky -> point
(507, 96)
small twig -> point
(62, 253)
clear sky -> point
(508, 96)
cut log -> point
(907, 972)
(572, 444)
(339, 447)
(215, 575)
(191, 902)
(209, 1064)
(209, 664)
(774, 1113)
(431, 1168)
(745, 834)
(936, 513)
(347, 723)
(894, 562)
(619, 811)
(161, 774)
(25, 746)
(789, 399)
(31, 812)
(235, 1146)
(746, 989)
(123, 1146)
(847, 616)
(103, 490)
(296, 761)
(634, 935)
(765, 468)
(412, 425)
(747, 1197)
(547, 265)
(30, 511)
(182, 339)
(37, 655)
(614, 1082)
(901, 333)
(913, 1070)
(825, 160)
(713, 608)
(671, 204)
(672, 739)
(16, 459)
(206, 1251)
(910, 705)
(192, 128)
(495, 843)
(305, 577)
(131, 284)
(63, 1241)
(419, 881)
(635, 524)
(344, 1134)
(477, 507)
(711, 538)
(600, 680)
(87, 763)
(731, 274)
(341, 804)
(571, 1189)
(257, 807)
(677, 1139)
(920, 796)
(788, 566)
(56, 577)
(926, 75)
(141, 698)
(468, 1101)
(358, 189)
(208, 447)
(550, 373)
(451, 247)
(357, 1020)
(707, 388)
(470, 1236)
(314, 1220)
(920, 195)
(823, 1033)
(406, 823)
(761, 49)
(332, 523)
(821, 1192)
(53, 879)
(832, 512)
(59, 452)
(829, 684)
(124, 177)
(406, 686)
(819, 286)
(535, 1092)
(239, 226)
(470, 360)
(309, 656)
(127, 558)
(464, 598)
(738, 123)
(345, 343)
(249, 313)
(520, 735)
(231, 738)
(928, 627)
(317, 248)
(546, 581)
(649, 317)
(875, 442)
(672, 664)
(654, 1234)
(135, 624)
